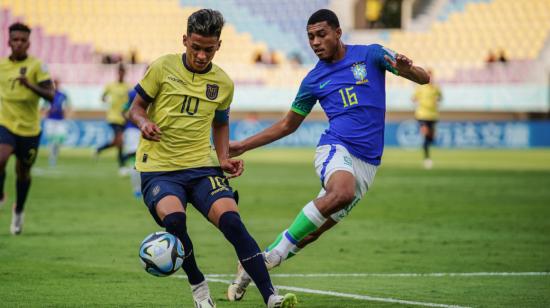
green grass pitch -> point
(475, 212)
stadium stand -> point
(467, 29)
(73, 37)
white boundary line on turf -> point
(476, 274)
(348, 295)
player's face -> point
(200, 50)
(121, 74)
(19, 43)
(324, 40)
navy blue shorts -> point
(117, 128)
(25, 148)
(429, 124)
(199, 186)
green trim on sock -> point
(301, 227)
(276, 242)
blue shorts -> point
(25, 148)
(199, 186)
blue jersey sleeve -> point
(304, 101)
(380, 52)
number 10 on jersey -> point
(349, 98)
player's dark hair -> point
(19, 27)
(205, 22)
(324, 15)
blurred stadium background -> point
(265, 50)
(471, 232)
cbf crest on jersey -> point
(212, 91)
(359, 70)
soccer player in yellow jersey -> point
(116, 94)
(23, 80)
(182, 100)
(427, 98)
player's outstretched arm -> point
(407, 70)
(138, 116)
(220, 137)
(280, 129)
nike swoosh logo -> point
(324, 84)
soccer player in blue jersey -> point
(349, 83)
(55, 126)
(23, 81)
(182, 101)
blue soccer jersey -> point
(352, 92)
(57, 106)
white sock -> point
(135, 179)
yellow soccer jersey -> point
(427, 97)
(183, 105)
(117, 95)
(19, 110)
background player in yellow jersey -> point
(23, 80)
(427, 98)
(116, 94)
(181, 101)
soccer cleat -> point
(272, 259)
(237, 289)
(123, 171)
(428, 164)
(288, 300)
(16, 226)
(201, 296)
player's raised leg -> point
(310, 219)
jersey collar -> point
(18, 60)
(206, 70)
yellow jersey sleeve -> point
(149, 87)
(228, 100)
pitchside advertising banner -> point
(505, 134)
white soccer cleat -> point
(428, 164)
(237, 289)
(272, 259)
(201, 296)
(288, 300)
(123, 172)
(16, 226)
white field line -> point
(216, 278)
(353, 296)
(320, 275)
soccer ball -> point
(161, 254)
